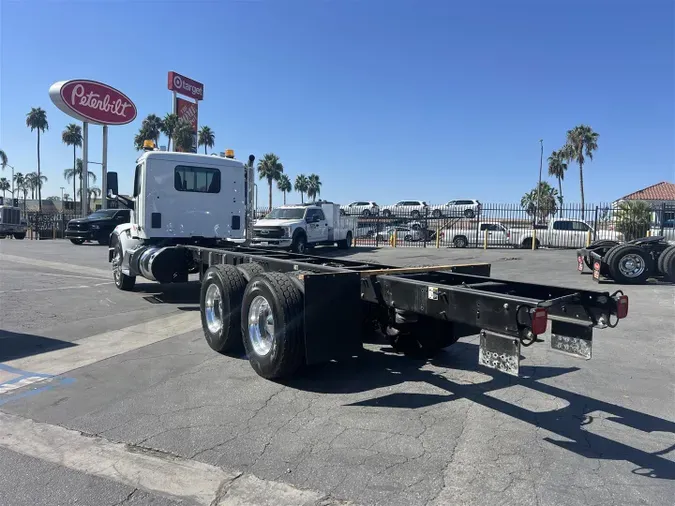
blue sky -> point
(384, 99)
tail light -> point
(622, 307)
(539, 320)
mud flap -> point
(499, 351)
(572, 339)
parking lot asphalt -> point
(115, 398)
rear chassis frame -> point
(340, 294)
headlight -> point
(287, 231)
(95, 227)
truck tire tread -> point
(286, 301)
(667, 262)
(232, 285)
(620, 252)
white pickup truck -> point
(562, 233)
(301, 226)
(497, 235)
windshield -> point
(103, 214)
(296, 213)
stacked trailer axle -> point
(630, 263)
(287, 310)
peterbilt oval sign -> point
(93, 102)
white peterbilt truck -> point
(192, 214)
(11, 222)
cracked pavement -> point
(379, 429)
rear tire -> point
(77, 241)
(527, 243)
(220, 300)
(629, 265)
(667, 262)
(20, 236)
(415, 214)
(436, 213)
(346, 243)
(460, 241)
(251, 269)
(272, 325)
(469, 213)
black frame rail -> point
(504, 312)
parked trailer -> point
(192, 214)
(632, 262)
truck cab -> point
(301, 226)
(11, 222)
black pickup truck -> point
(97, 226)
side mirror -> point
(111, 183)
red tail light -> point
(539, 320)
(622, 307)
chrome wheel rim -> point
(213, 309)
(117, 265)
(632, 266)
(261, 326)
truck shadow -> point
(179, 293)
(15, 345)
(375, 370)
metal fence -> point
(506, 226)
(490, 226)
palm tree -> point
(542, 200)
(582, 141)
(270, 168)
(36, 119)
(633, 218)
(183, 136)
(557, 168)
(21, 184)
(168, 126)
(152, 125)
(74, 174)
(3, 159)
(301, 185)
(284, 185)
(207, 137)
(4, 186)
(314, 186)
(31, 183)
(72, 136)
(92, 191)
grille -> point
(78, 226)
(269, 233)
(11, 216)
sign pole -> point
(85, 169)
(104, 170)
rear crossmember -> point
(342, 298)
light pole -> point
(8, 165)
(541, 162)
(62, 196)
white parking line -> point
(155, 473)
(31, 290)
(58, 266)
(99, 347)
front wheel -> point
(299, 244)
(20, 235)
(122, 281)
(77, 241)
(272, 325)
(469, 213)
(415, 214)
(365, 213)
(386, 213)
(436, 213)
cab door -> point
(317, 226)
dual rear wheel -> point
(245, 309)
